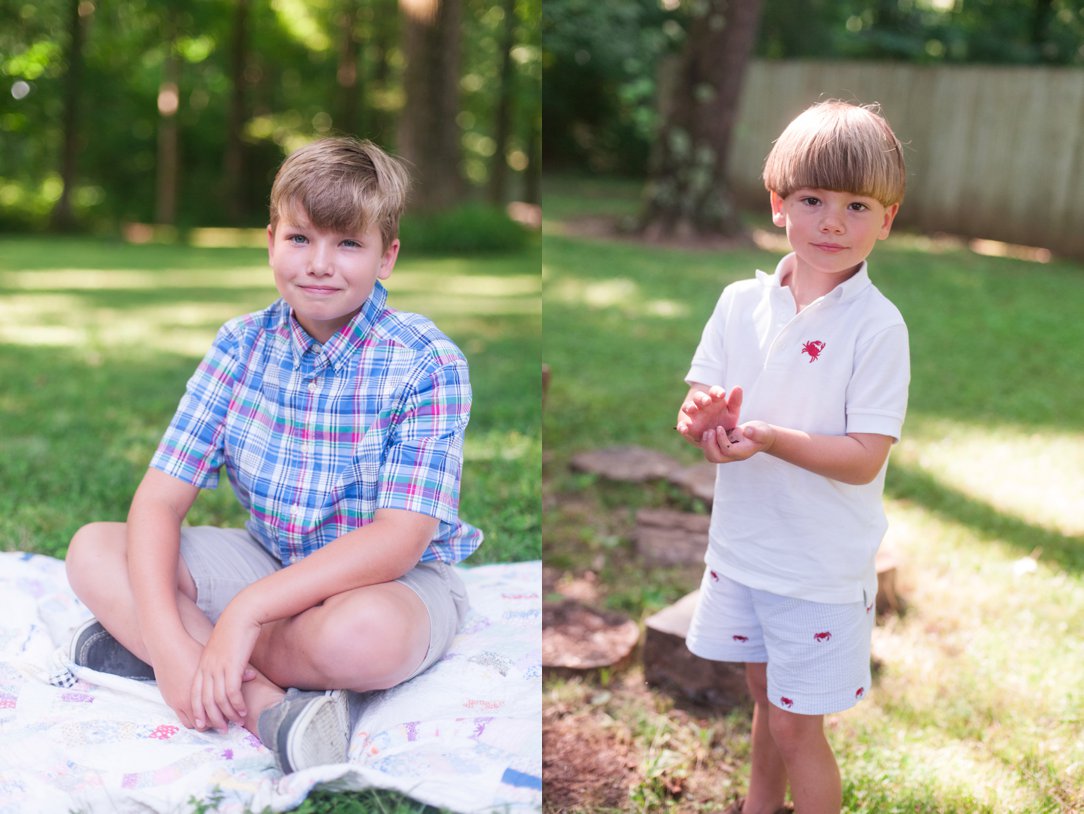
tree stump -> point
(669, 665)
(888, 600)
(577, 638)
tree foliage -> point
(298, 80)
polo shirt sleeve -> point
(424, 457)
(709, 362)
(192, 447)
(877, 391)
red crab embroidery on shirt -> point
(823, 636)
(860, 692)
(787, 702)
(739, 638)
(714, 576)
(813, 347)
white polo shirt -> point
(840, 366)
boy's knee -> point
(792, 732)
(382, 639)
(89, 547)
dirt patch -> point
(585, 766)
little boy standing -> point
(340, 424)
(798, 389)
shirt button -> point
(313, 385)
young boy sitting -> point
(798, 390)
(340, 424)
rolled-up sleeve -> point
(424, 457)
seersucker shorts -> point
(223, 562)
(817, 654)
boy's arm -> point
(855, 458)
(154, 533)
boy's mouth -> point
(829, 247)
(318, 290)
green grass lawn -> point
(977, 704)
(97, 340)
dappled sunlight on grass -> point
(979, 673)
(1035, 474)
(621, 294)
(53, 307)
(82, 279)
(62, 320)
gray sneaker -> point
(93, 646)
(307, 729)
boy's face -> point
(326, 276)
(832, 232)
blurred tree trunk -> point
(169, 99)
(62, 217)
(687, 192)
(350, 87)
(428, 130)
(502, 128)
(234, 161)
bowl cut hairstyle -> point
(838, 146)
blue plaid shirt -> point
(315, 439)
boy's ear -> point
(387, 261)
(270, 243)
(890, 215)
(779, 218)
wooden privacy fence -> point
(992, 152)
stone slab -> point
(667, 537)
(631, 463)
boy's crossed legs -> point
(366, 639)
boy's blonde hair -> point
(841, 147)
(343, 185)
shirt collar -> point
(846, 290)
(345, 342)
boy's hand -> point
(722, 447)
(707, 410)
(174, 677)
(215, 689)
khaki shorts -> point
(225, 561)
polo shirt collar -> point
(346, 341)
(846, 290)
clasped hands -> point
(709, 420)
(202, 683)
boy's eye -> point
(351, 244)
(297, 239)
(857, 206)
(810, 200)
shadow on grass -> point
(918, 486)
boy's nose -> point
(831, 222)
(319, 262)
